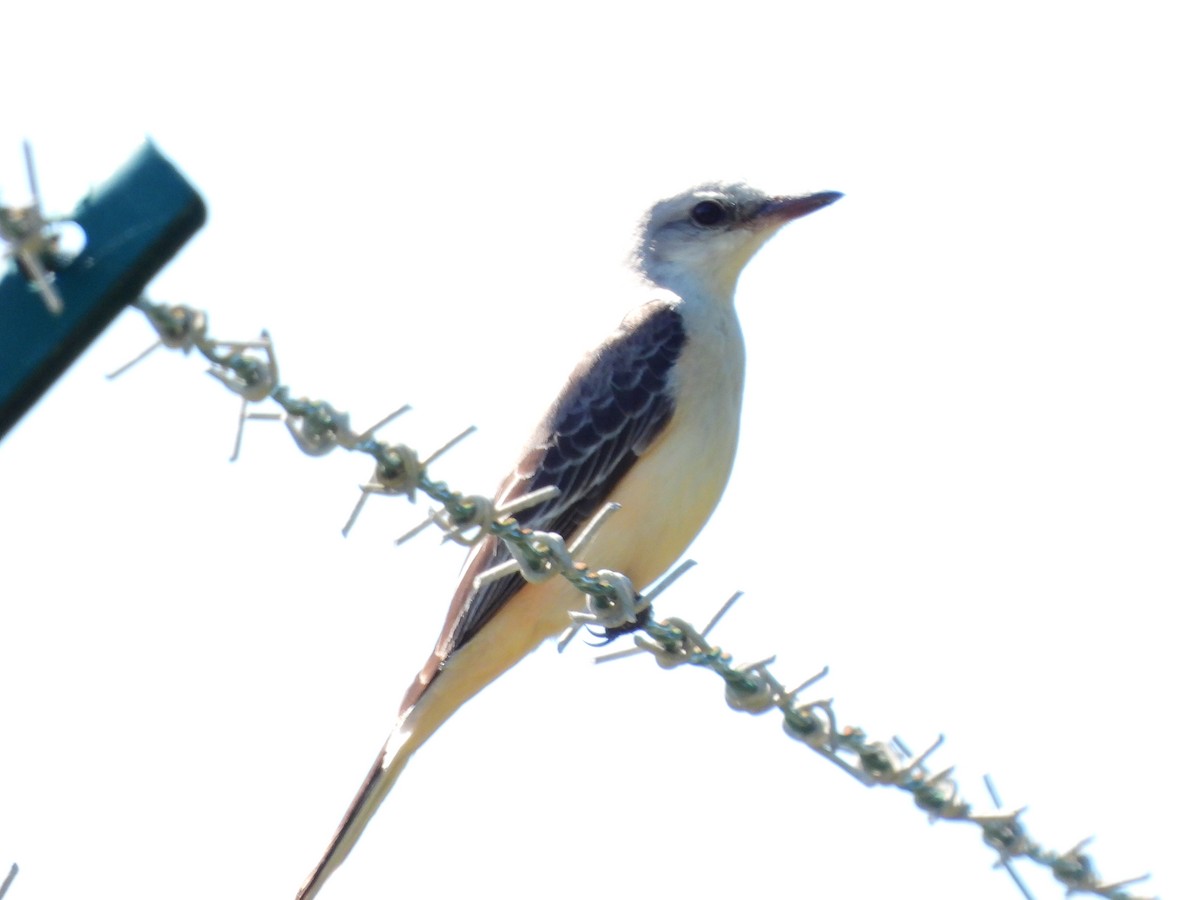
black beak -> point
(784, 209)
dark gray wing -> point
(617, 402)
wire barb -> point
(178, 327)
(401, 475)
(26, 230)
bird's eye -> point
(708, 213)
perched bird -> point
(649, 420)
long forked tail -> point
(421, 712)
(447, 681)
(383, 774)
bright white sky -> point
(968, 477)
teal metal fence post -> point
(133, 224)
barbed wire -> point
(249, 369)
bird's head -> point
(700, 240)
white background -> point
(968, 475)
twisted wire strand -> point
(248, 368)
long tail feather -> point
(383, 774)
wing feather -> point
(618, 400)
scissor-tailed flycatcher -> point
(648, 420)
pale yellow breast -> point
(672, 490)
